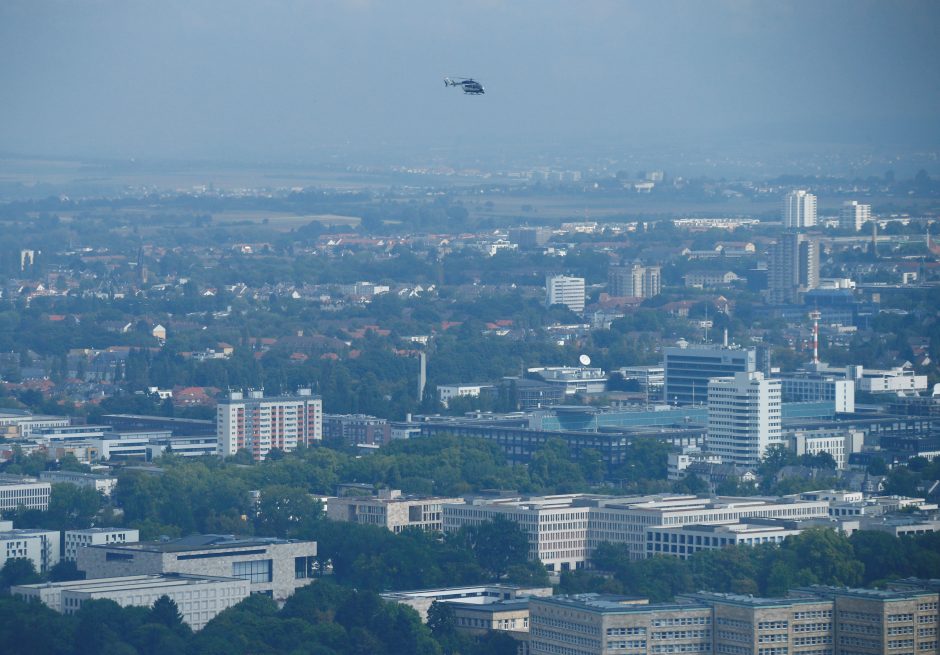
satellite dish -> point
(585, 360)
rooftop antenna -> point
(815, 316)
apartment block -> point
(564, 290)
(260, 424)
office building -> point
(421, 600)
(563, 530)
(684, 541)
(41, 547)
(462, 390)
(812, 387)
(103, 484)
(198, 598)
(75, 539)
(688, 368)
(27, 493)
(854, 215)
(635, 281)
(793, 268)
(838, 443)
(573, 379)
(21, 424)
(799, 209)
(528, 238)
(744, 418)
(275, 567)
(812, 621)
(355, 429)
(564, 290)
(260, 424)
(390, 510)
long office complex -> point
(260, 424)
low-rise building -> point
(75, 539)
(355, 429)
(103, 484)
(838, 443)
(685, 541)
(573, 379)
(461, 390)
(275, 567)
(475, 595)
(199, 598)
(390, 510)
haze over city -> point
(297, 81)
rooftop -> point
(199, 542)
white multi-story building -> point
(854, 215)
(75, 539)
(636, 281)
(839, 444)
(686, 540)
(799, 209)
(565, 290)
(103, 484)
(563, 530)
(574, 379)
(23, 424)
(23, 492)
(447, 391)
(39, 546)
(198, 598)
(808, 387)
(259, 424)
(743, 417)
(651, 379)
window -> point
(303, 567)
(257, 571)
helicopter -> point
(470, 86)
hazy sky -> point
(268, 79)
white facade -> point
(563, 530)
(198, 598)
(809, 388)
(840, 445)
(390, 510)
(103, 484)
(26, 424)
(24, 493)
(799, 209)
(854, 215)
(685, 541)
(564, 290)
(75, 539)
(260, 424)
(447, 391)
(744, 417)
(574, 379)
(39, 546)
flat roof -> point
(612, 604)
(127, 583)
(200, 542)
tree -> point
(497, 545)
(285, 511)
(18, 570)
(64, 571)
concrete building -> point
(652, 379)
(686, 540)
(466, 390)
(41, 547)
(799, 209)
(357, 429)
(16, 424)
(23, 492)
(275, 567)
(199, 598)
(854, 215)
(103, 484)
(809, 387)
(838, 443)
(75, 539)
(812, 621)
(705, 279)
(793, 268)
(635, 281)
(565, 290)
(688, 368)
(563, 530)
(421, 600)
(391, 510)
(573, 379)
(259, 424)
(901, 379)
(744, 418)
(593, 624)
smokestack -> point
(815, 316)
(422, 374)
(725, 341)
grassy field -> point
(282, 221)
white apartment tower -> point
(260, 424)
(743, 417)
(799, 209)
(636, 281)
(853, 215)
(564, 290)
